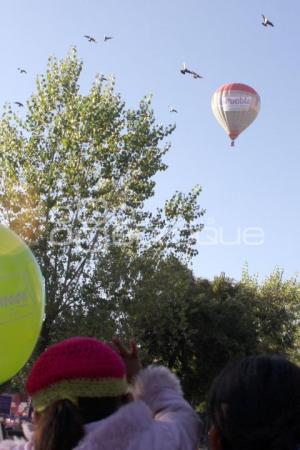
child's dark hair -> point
(61, 425)
(255, 404)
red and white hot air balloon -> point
(235, 106)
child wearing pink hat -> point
(80, 393)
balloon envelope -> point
(235, 106)
(22, 301)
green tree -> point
(196, 326)
(192, 325)
(76, 171)
(278, 311)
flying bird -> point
(19, 104)
(22, 70)
(266, 21)
(101, 77)
(172, 110)
(185, 70)
(90, 38)
(107, 38)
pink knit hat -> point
(76, 367)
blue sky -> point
(255, 185)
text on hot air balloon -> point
(236, 103)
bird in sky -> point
(172, 109)
(185, 70)
(101, 77)
(266, 21)
(22, 70)
(19, 104)
(107, 38)
(90, 38)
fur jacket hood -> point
(158, 419)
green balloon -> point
(22, 303)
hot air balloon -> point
(235, 106)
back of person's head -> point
(254, 404)
(74, 382)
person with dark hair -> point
(254, 404)
(80, 395)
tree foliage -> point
(76, 171)
(192, 325)
(196, 326)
